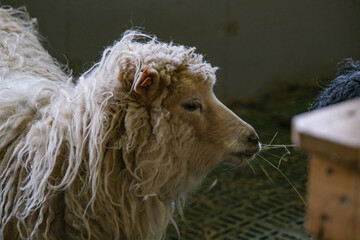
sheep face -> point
(217, 133)
(195, 130)
(187, 130)
(201, 130)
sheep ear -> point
(147, 83)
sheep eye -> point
(192, 106)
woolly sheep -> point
(345, 86)
(114, 155)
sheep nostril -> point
(253, 139)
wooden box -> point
(332, 136)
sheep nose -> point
(253, 139)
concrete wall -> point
(254, 42)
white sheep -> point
(112, 156)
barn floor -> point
(256, 202)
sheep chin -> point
(238, 159)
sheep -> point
(113, 155)
(345, 86)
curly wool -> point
(345, 86)
(85, 161)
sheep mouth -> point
(247, 154)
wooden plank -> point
(357, 210)
(333, 201)
(334, 130)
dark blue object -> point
(345, 86)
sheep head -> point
(185, 130)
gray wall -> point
(256, 43)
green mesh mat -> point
(257, 201)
